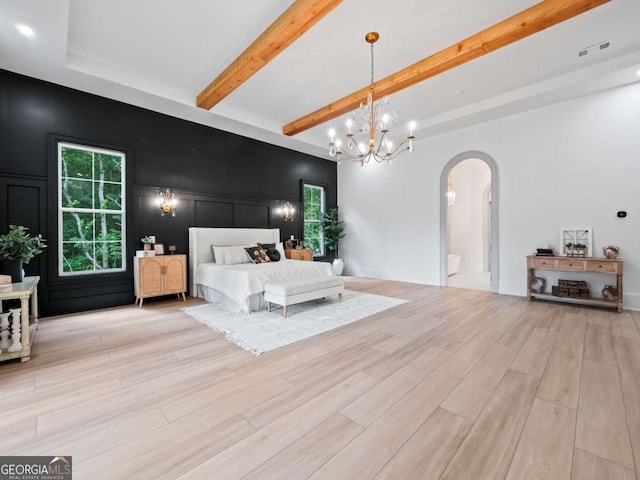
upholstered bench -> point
(298, 290)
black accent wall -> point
(220, 179)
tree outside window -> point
(91, 215)
(314, 207)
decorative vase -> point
(13, 268)
(338, 266)
(611, 252)
(610, 293)
(147, 246)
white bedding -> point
(240, 282)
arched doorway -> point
(494, 210)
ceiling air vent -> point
(583, 52)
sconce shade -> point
(287, 212)
(168, 202)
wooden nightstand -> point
(299, 254)
(159, 275)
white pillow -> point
(218, 255)
(280, 248)
(235, 255)
(230, 255)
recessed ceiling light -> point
(25, 30)
(458, 92)
(638, 73)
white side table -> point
(27, 292)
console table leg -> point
(4, 333)
(16, 328)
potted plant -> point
(568, 249)
(147, 242)
(333, 230)
(17, 248)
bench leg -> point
(340, 297)
(284, 309)
(269, 306)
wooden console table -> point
(571, 264)
(24, 291)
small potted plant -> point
(147, 242)
(333, 230)
(17, 248)
(568, 249)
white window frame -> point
(62, 210)
(323, 201)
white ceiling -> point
(159, 54)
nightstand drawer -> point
(299, 254)
(596, 266)
(571, 264)
(543, 263)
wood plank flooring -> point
(455, 384)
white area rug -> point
(260, 332)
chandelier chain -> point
(371, 84)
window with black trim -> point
(91, 210)
(314, 206)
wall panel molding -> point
(207, 168)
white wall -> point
(467, 216)
(570, 164)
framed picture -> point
(576, 242)
(159, 249)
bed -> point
(240, 287)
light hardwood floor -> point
(455, 384)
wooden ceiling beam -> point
(291, 25)
(539, 17)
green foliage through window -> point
(314, 207)
(91, 214)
